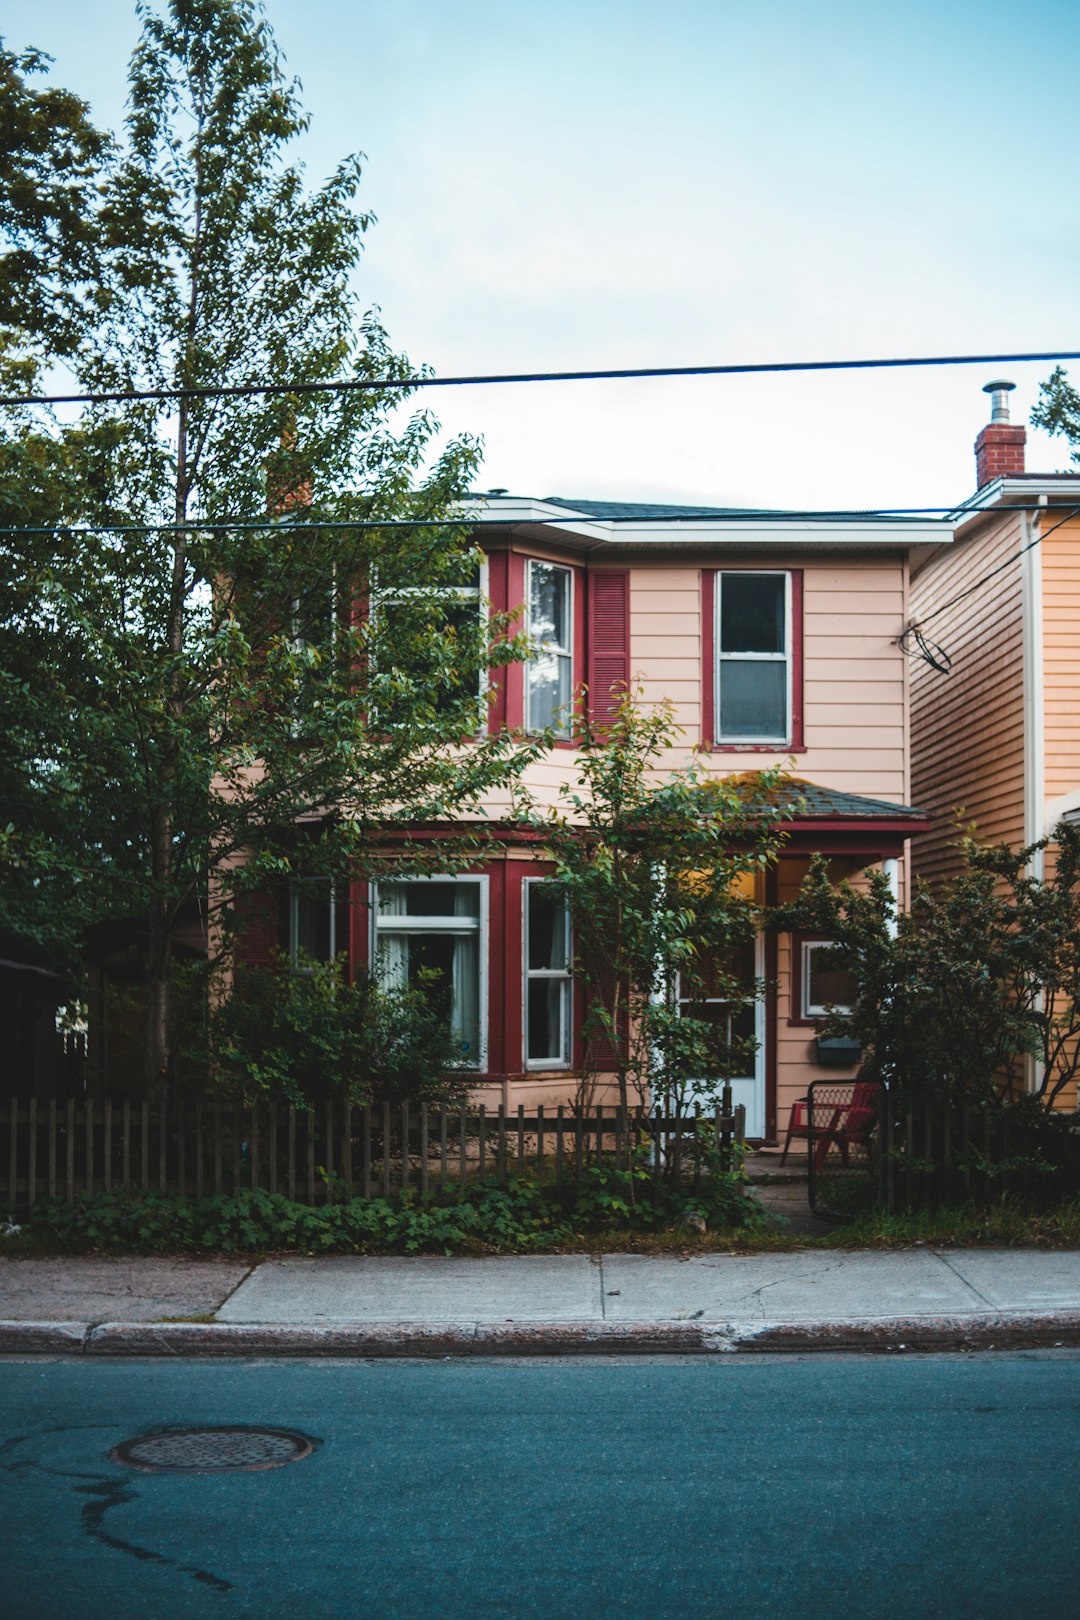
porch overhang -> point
(831, 822)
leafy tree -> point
(1058, 409)
(652, 866)
(227, 612)
(981, 974)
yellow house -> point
(995, 685)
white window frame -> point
(296, 887)
(720, 657)
(448, 925)
(808, 1009)
(566, 1060)
(564, 731)
(462, 593)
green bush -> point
(520, 1216)
(302, 1033)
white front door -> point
(746, 1089)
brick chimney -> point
(999, 449)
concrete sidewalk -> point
(343, 1305)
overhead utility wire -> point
(930, 651)
(479, 379)
(283, 526)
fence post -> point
(69, 1154)
(346, 1150)
(88, 1146)
(52, 1148)
(559, 1124)
(423, 1153)
(13, 1152)
(404, 1146)
(442, 1148)
(365, 1150)
(31, 1160)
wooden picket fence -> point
(62, 1149)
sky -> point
(571, 184)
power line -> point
(927, 649)
(481, 379)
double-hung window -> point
(312, 921)
(549, 623)
(415, 625)
(753, 657)
(430, 935)
(548, 985)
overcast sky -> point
(578, 183)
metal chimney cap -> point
(1000, 391)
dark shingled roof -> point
(821, 801)
(639, 511)
(645, 510)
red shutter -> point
(609, 643)
(260, 930)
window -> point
(825, 985)
(548, 986)
(430, 933)
(732, 1023)
(405, 618)
(312, 923)
(549, 673)
(753, 657)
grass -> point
(1002, 1225)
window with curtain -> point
(429, 935)
(548, 986)
(549, 672)
(753, 657)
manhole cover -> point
(212, 1451)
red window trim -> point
(796, 743)
(506, 590)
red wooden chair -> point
(849, 1124)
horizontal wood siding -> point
(967, 728)
(1061, 659)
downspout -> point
(1031, 593)
(1031, 596)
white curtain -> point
(465, 998)
(391, 950)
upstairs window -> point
(753, 657)
(409, 620)
(548, 985)
(549, 672)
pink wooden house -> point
(776, 639)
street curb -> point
(984, 1331)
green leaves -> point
(981, 974)
(656, 866)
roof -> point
(611, 511)
(821, 802)
(647, 511)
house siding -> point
(1061, 661)
(967, 728)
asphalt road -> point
(817, 1486)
